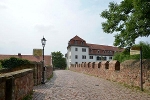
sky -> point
(23, 23)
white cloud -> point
(25, 22)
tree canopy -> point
(125, 55)
(13, 62)
(58, 60)
(128, 20)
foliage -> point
(58, 60)
(0, 66)
(126, 54)
(130, 19)
(28, 97)
(13, 62)
(50, 77)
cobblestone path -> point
(69, 85)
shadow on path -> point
(40, 90)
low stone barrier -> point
(18, 82)
(16, 85)
(127, 72)
(49, 71)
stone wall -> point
(37, 71)
(2, 87)
(49, 71)
(16, 85)
(127, 72)
(18, 82)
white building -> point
(79, 51)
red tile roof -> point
(77, 38)
(30, 58)
(95, 48)
(103, 47)
(77, 41)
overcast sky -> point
(24, 22)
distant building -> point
(47, 58)
(79, 51)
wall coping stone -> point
(97, 62)
(104, 62)
(17, 74)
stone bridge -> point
(70, 85)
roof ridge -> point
(99, 44)
(77, 38)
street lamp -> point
(43, 41)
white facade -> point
(79, 51)
(76, 55)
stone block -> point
(97, 64)
(114, 65)
(105, 64)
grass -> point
(0, 66)
(66, 68)
(135, 88)
(50, 77)
(28, 97)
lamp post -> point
(43, 41)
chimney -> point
(19, 54)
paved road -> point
(69, 85)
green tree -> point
(125, 55)
(13, 62)
(58, 60)
(128, 20)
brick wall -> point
(127, 72)
(37, 71)
(2, 88)
(16, 85)
(49, 71)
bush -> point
(0, 66)
(125, 55)
(13, 62)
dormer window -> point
(82, 43)
(91, 50)
(110, 52)
(75, 41)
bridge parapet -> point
(97, 64)
(105, 64)
(114, 65)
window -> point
(91, 57)
(82, 42)
(75, 42)
(110, 58)
(76, 56)
(104, 51)
(76, 49)
(91, 51)
(83, 57)
(104, 58)
(98, 58)
(110, 52)
(83, 49)
(98, 51)
(76, 62)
